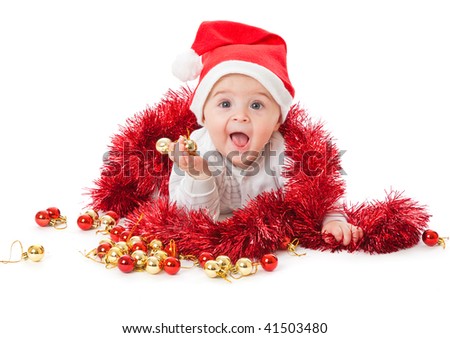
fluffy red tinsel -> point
(134, 183)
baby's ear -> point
(277, 126)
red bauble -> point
(54, 212)
(172, 265)
(269, 262)
(139, 246)
(204, 257)
(125, 236)
(430, 237)
(85, 222)
(285, 243)
(113, 215)
(116, 232)
(103, 249)
(42, 218)
(126, 263)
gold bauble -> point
(212, 268)
(162, 145)
(107, 221)
(153, 265)
(156, 245)
(92, 213)
(113, 255)
(133, 240)
(191, 146)
(106, 240)
(122, 246)
(244, 266)
(224, 262)
(161, 255)
(140, 258)
(35, 253)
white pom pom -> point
(187, 66)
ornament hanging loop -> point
(441, 241)
(190, 258)
(59, 223)
(35, 253)
(292, 248)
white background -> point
(70, 72)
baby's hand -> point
(193, 164)
(342, 232)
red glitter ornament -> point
(269, 262)
(126, 263)
(171, 265)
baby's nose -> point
(240, 117)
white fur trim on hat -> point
(187, 66)
(268, 79)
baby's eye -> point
(256, 105)
(225, 104)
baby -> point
(242, 98)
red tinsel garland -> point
(134, 183)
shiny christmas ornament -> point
(431, 238)
(114, 215)
(162, 145)
(51, 217)
(154, 265)
(91, 220)
(191, 146)
(103, 249)
(212, 268)
(204, 257)
(85, 222)
(115, 233)
(156, 245)
(224, 262)
(107, 222)
(133, 240)
(123, 246)
(269, 262)
(161, 255)
(92, 213)
(171, 265)
(126, 263)
(112, 257)
(139, 246)
(125, 236)
(244, 266)
(34, 253)
(140, 259)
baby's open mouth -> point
(239, 139)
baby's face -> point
(240, 115)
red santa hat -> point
(224, 47)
